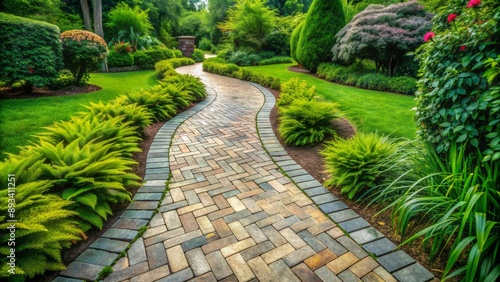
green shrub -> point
(276, 60)
(403, 84)
(31, 51)
(218, 66)
(166, 67)
(177, 53)
(456, 102)
(123, 137)
(118, 60)
(179, 97)
(83, 51)
(375, 81)
(457, 199)
(188, 83)
(295, 90)
(160, 106)
(148, 58)
(198, 55)
(307, 122)
(358, 164)
(205, 44)
(241, 58)
(136, 116)
(64, 79)
(294, 41)
(93, 176)
(324, 19)
(45, 223)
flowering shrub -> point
(455, 102)
(31, 51)
(82, 52)
(122, 48)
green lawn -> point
(368, 110)
(22, 118)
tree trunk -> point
(97, 5)
(86, 14)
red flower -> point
(451, 17)
(473, 3)
(31, 70)
(428, 36)
(462, 48)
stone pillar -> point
(186, 45)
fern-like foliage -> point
(306, 122)
(188, 83)
(92, 175)
(45, 222)
(359, 163)
(162, 107)
(293, 90)
(122, 136)
(180, 98)
(137, 116)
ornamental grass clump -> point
(162, 107)
(358, 164)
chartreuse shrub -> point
(45, 222)
(455, 198)
(180, 98)
(166, 67)
(160, 106)
(359, 163)
(198, 55)
(293, 90)
(92, 175)
(123, 137)
(294, 41)
(323, 20)
(83, 51)
(456, 102)
(307, 122)
(276, 60)
(188, 83)
(31, 51)
(132, 114)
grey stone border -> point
(104, 250)
(397, 262)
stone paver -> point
(229, 213)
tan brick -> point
(206, 199)
(176, 259)
(384, 274)
(236, 204)
(205, 224)
(177, 194)
(240, 268)
(321, 227)
(250, 193)
(152, 275)
(278, 253)
(221, 227)
(320, 259)
(190, 208)
(220, 213)
(278, 186)
(237, 247)
(364, 266)
(251, 205)
(262, 270)
(267, 207)
(342, 263)
(205, 211)
(293, 238)
(221, 202)
(314, 212)
(155, 231)
(335, 233)
(238, 230)
(298, 211)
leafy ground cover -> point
(370, 111)
(22, 118)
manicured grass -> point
(22, 118)
(368, 110)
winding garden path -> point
(238, 208)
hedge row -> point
(147, 59)
(219, 66)
(68, 181)
(354, 75)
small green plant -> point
(65, 78)
(137, 116)
(188, 83)
(307, 122)
(293, 90)
(358, 164)
(105, 272)
(198, 55)
(180, 98)
(162, 107)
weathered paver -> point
(229, 213)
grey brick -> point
(324, 198)
(137, 252)
(219, 265)
(98, 257)
(156, 255)
(327, 275)
(380, 247)
(298, 256)
(366, 235)
(333, 207)
(395, 261)
(257, 250)
(312, 241)
(413, 273)
(180, 276)
(354, 224)
(81, 270)
(343, 215)
(122, 234)
(332, 244)
(283, 271)
(197, 261)
(137, 214)
(114, 246)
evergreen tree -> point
(324, 19)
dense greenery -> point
(31, 51)
(70, 178)
(456, 102)
(324, 19)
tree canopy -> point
(383, 34)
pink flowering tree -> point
(456, 102)
(383, 34)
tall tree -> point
(218, 13)
(97, 7)
(84, 4)
(289, 7)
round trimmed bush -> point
(83, 51)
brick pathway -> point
(238, 208)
